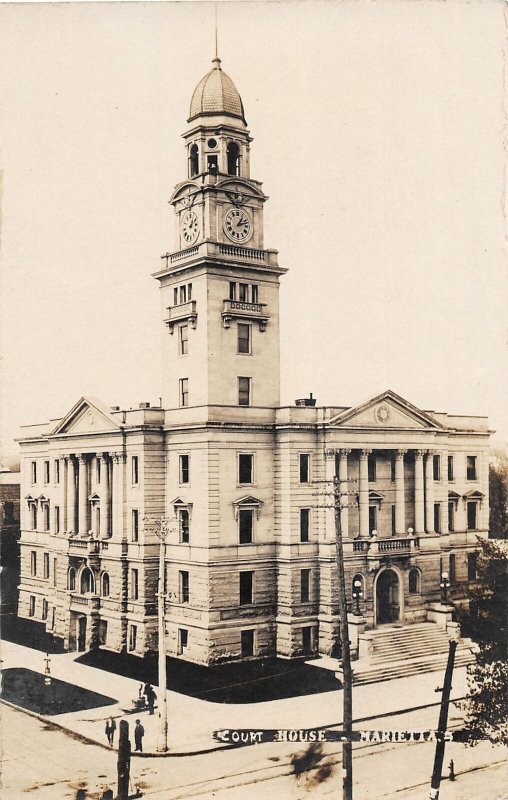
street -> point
(58, 766)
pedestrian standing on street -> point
(150, 697)
(110, 730)
(139, 732)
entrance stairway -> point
(397, 652)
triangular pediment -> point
(386, 411)
(248, 500)
(87, 416)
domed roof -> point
(216, 94)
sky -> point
(379, 134)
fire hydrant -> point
(451, 766)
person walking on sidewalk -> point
(150, 698)
(139, 732)
(110, 730)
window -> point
(193, 160)
(304, 467)
(372, 518)
(34, 471)
(472, 515)
(133, 635)
(46, 472)
(451, 516)
(254, 293)
(452, 571)
(135, 469)
(45, 565)
(245, 525)
(184, 525)
(437, 517)
(31, 607)
(134, 584)
(233, 156)
(245, 467)
(135, 525)
(33, 563)
(304, 524)
(471, 566)
(247, 639)
(103, 631)
(183, 339)
(105, 584)
(57, 470)
(55, 571)
(87, 582)
(97, 470)
(246, 583)
(71, 579)
(471, 473)
(371, 467)
(98, 520)
(394, 527)
(307, 640)
(392, 468)
(57, 519)
(44, 609)
(183, 640)
(33, 516)
(45, 516)
(243, 292)
(212, 163)
(244, 391)
(414, 581)
(244, 338)
(9, 513)
(450, 468)
(436, 468)
(304, 585)
(232, 290)
(182, 294)
(184, 586)
(184, 392)
(184, 468)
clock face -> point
(237, 225)
(190, 227)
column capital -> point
(65, 456)
(430, 453)
(365, 453)
(103, 456)
(419, 454)
(344, 451)
(399, 454)
(82, 458)
(118, 458)
(330, 453)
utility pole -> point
(124, 761)
(161, 526)
(441, 728)
(347, 673)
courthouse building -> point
(250, 554)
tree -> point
(498, 495)
(487, 624)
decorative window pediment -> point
(249, 502)
(42, 499)
(375, 498)
(94, 498)
(474, 494)
(31, 500)
(453, 497)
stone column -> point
(64, 468)
(444, 492)
(419, 493)
(71, 495)
(83, 495)
(119, 460)
(429, 493)
(105, 495)
(343, 487)
(329, 515)
(364, 492)
(400, 505)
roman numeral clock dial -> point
(190, 227)
(237, 225)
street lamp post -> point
(161, 526)
(357, 595)
(445, 585)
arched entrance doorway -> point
(387, 598)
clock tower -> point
(220, 287)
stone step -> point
(417, 653)
(401, 669)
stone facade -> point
(242, 483)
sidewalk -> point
(192, 721)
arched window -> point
(86, 582)
(233, 153)
(193, 161)
(414, 581)
(71, 579)
(105, 584)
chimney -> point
(115, 408)
(144, 405)
(306, 401)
